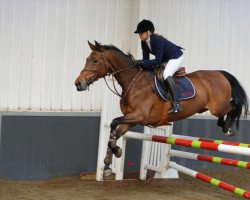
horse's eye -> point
(95, 61)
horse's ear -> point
(99, 47)
(92, 47)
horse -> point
(216, 91)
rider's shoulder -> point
(158, 37)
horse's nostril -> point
(78, 86)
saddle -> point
(185, 88)
(159, 73)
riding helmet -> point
(144, 26)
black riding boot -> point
(173, 92)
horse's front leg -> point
(119, 127)
(115, 134)
(112, 148)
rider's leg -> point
(172, 66)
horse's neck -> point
(126, 76)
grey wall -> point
(41, 147)
(46, 145)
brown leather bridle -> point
(95, 78)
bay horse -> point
(216, 91)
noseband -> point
(95, 78)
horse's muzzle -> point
(81, 85)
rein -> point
(113, 81)
(112, 74)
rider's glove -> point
(138, 63)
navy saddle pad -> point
(185, 88)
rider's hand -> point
(138, 63)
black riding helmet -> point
(144, 26)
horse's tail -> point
(239, 98)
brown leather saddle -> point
(159, 73)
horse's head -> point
(96, 67)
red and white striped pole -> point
(210, 180)
(211, 140)
(213, 159)
(192, 143)
(202, 145)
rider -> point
(165, 52)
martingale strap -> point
(115, 92)
(103, 58)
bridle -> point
(95, 78)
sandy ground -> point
(76, 188)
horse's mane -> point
(114, 48)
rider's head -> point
(145, 28)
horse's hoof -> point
(117, 151)
(107, 172)
(229, 133)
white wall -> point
(43, 47)
(43, 43)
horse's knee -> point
(115, 122)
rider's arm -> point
(145, 54)
(158, 56)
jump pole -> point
(213, 159)
(191, 143)
(202, 145)
(211, 140)
(210, 180)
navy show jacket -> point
(163, 49)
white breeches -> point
(172, 66)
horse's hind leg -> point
(226, 124)
(221, 122)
